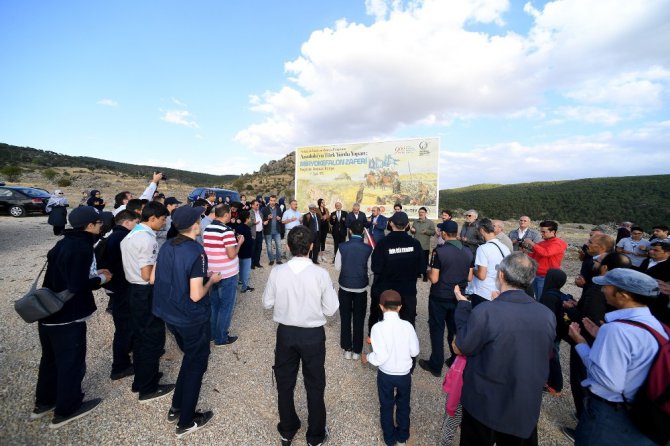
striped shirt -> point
(217, 237)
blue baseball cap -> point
(184, 217)
(629, 280)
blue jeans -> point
(268, 246)
(603, 424)
(245, 270)
(193, 340)
(223, 295)
(394, 390)
(538, 286)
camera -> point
(163, 177)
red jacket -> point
(548, 254)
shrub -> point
(64, 182)
(49, 174)
(11, 173)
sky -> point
(516, 92)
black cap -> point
(171, 200)
(400, 219)
(184, 217)
(82, 216)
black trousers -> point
(123, 331)
(149, 338)
(258, 249)
(62, 367)
(316, 243)
(577, 375)
(352, 306)
(194, 343)
(337, 239)
(475, 433)
(440, 313)
(296, 345)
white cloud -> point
(607, 154)
(592, 115)
(419, 64)
(180, 117)
(108, 102)
(178, 102)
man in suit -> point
(311, 220)
(507, 365)
(377, 223)
(354, 215)
(338, 220)
(657, 266)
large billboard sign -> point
(372, 174)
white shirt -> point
(488, 256)
(291, 214)
(259, 221)
(301, 294)
(630, 245)
(394, 344)
(138, 249)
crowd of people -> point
(178, 268)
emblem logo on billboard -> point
(423, 148)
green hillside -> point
(644, 200)
(27, 157)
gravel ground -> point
(238, 385)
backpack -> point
(650, 408)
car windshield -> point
(36, 193)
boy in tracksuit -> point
(394, 344)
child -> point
(553, 298)
(453, 410)
(394, 343)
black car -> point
(19, 200)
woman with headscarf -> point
(96, 200)
(56, 208)
(553, 298)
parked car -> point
(203, 192)
(20, 201)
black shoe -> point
(258, 266)
(162, 391)
(136, 390)
(247, 290)
(41, 410)
(253, 266)
(326, 435)
(85, 408)
(568, 433)
(129, 371)
(272, 262)
(279, 262)
(230, 340)
(200, 419)
(285, 442)
(316, 262)
(450, 361)
(426, 366)
(173, 415)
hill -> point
(30, 159)
(642, 199)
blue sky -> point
(516, 91)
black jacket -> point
(111, 259)
(69, 265)
(396, 262)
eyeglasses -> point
(468, 215)
(99, 222)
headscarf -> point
(56, 199)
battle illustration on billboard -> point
(371, 174)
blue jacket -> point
(508, 342)
(378, 229)
(355, 255)
(179, 261)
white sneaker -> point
(347, 355)
(355, 356)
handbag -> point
(39, 303)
